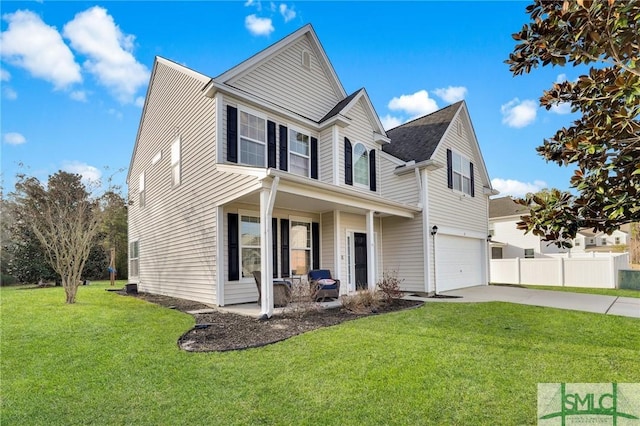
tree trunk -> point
(70, 290)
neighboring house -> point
(507, 241)
(272, 166)
(588, 240)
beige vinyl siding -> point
(403, 251)
(284, 81)
(182, 262)
(452, 208)
(400, 188)
(244, 290)
(325, 156)
(327, 243)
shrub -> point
(303, 300)
(363, 301)
(389, 287)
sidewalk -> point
(609, 305)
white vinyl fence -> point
(583, 271)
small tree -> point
(65, 221)
(604, 143)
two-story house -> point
(273, 167)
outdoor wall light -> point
(489, 237)
(434, 230)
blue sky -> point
(74, 74)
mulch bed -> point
(223, 331)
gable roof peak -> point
(254, 61)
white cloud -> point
(95, 34)
(416, 105)
(258, 26)
(139, 102)
(9, 93)
(117, 114)
(516, 113)
(31, 44)
(13, 138)
(287, 12)
(451, 94)
(516, 188)
(257, 4)
(78, 95)
(389, 122)
(561, 108)
(90, 175)
(561, 78)
(4, 75)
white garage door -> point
(459, 262)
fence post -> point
(518, 268)
(561, 270)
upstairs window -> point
(529, 253)
(175, 163)
(299, 153)
(360, 165)
(460, 173)
(253, 138)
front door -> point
(360, 260)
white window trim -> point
(353, 166)
(253, 214)
(255, 113)
(290, 153)
(291, 247)
(176, 162)
(464, 174)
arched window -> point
(360, 165)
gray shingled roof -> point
(340, 106)
(505, 206)
(418, 139)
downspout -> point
(426, 247)
(267, 201)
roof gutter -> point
(430, 165)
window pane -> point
(252, 153)
(250, 261)
(466, 185)
(360, 165)
(299, 143)
(457, 182)
(299, 165)
(300, 261)
(252, 127)
(250, 231)
(300, 235)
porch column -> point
(267, 200)
(265, 256)
(371, 252)
(422, 178)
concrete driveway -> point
(609, 305)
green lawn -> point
(110, 359)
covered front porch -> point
(285, 225)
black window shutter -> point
(274, 236)
(348, 162)
(284, 150)
(315, 244)
(473, 182)
(232, 134)
(234, 255)
(372, 170)
(284, 247)
(271, 144)
(314, 158)
(449, 168)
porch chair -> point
(322, 285)
(281, 290)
